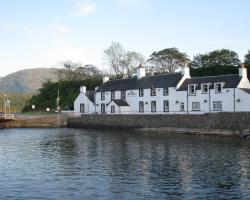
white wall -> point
(88, 105)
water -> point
(82, 164)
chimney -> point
(186, 70)
(141, 71)
(83, 89)
(243, 71)
(105, 79)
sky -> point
(44, 33)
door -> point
(103, 108)
(82, 110)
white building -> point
(167, 94)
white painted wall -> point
(89, 106)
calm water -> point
(79, 164)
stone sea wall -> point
(221, 121)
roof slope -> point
(91, 96)
(231, 81)
(247, 90)
(120, 102)
(158, 81)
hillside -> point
(27, 81)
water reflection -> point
(79, 164)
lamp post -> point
(58, 107)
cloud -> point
(8, 27)
(83, 9)
(62, 29)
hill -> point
(27, 81)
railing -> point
(7, 116)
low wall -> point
(223, 121)
(25, 121)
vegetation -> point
(222, 57)
(167, 60)
(122, 62)
(17, 100)
(69, 90)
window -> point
(141, 106)
(113, 95)
(166, 106)
(103, 108)
(112, 109)
(217, 105)
(153, 106)
(165, 91)
(102, 96)
(191, 89)
(153, 92)
(196, 106)
(182, 106)
(218, 87)
(204, 88)
(141, 92)
(123, 94)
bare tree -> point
(76, 71)
(121, 61)
(132, 61)
(114, 55)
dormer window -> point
(191, 89)
(218, 87)
(153, 92)
(205, 88)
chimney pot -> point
(105, 79)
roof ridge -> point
(213, 76)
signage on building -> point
(131, 93)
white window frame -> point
(189, 89)
(165, 91)
(216, 89)
(102, 96)
(123, 94)
(217, 105)
(166, 106)
(153, 91)
(196, 106)
(202, 88)
(112, 94)
(141, 92)
(182, 106)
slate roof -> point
(247, 90)
(231, 81)
(157, 81)
(120, 102)
(91, 96)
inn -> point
(167, 94)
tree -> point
(122, 62)
(131, 61)
(223, 57)
(247, 59)
(76, 71)
(114, 55)
(167, 60)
